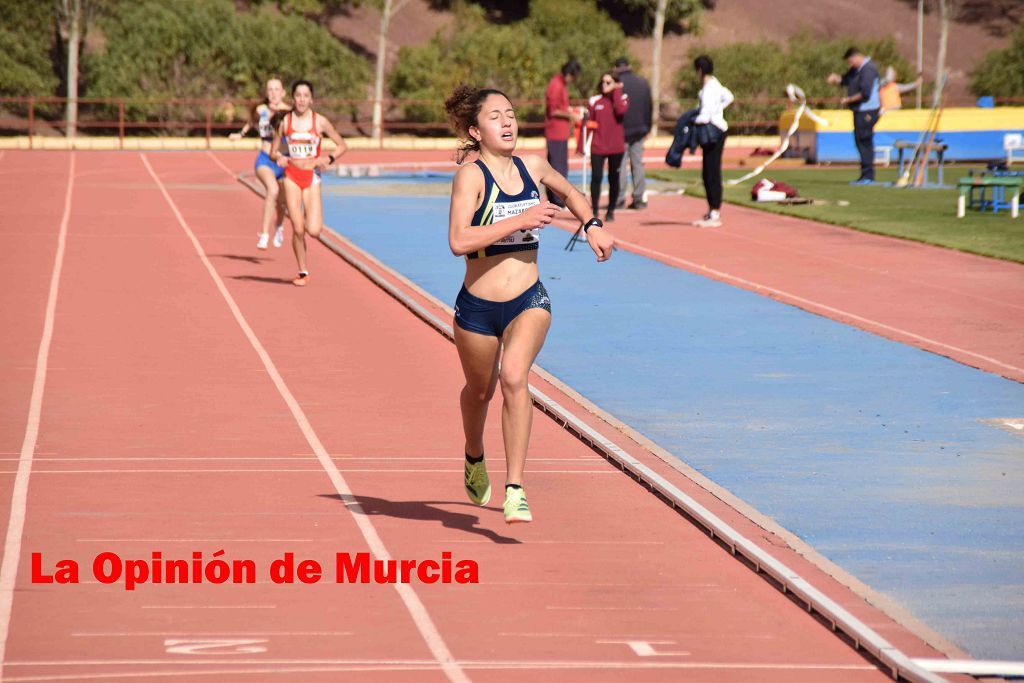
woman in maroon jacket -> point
(607, 110)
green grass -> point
(923, 215)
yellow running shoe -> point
(516, 508)
(478, 485)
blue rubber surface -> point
(872, 451)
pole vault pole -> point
(920, 47)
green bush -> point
(27, 35)
(1001, 72)
(199, 49)
(762, 70)
(518, 58)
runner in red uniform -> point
(302, 131)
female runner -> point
(269, 173)
(302, 131)
(503, 310)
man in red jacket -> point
(558, 121)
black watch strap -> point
(593, 222)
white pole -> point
(74, 11)
(378, 86)
(920, 46)
(659, 30)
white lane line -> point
(871, 269)
(209, 607)
(482, 666)
(19, 495)
(292, 471)
(417, 610)
(290, 459)
(627, 584)
(226, 634)
(220, 163)
(475, 664)
(194, 540)
(612, 609)
(830, 311)
(490, 542)
(230, 673)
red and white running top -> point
(302, 144)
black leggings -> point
(711, 172)
(597, 175)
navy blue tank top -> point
(498, 205)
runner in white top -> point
(269, 173)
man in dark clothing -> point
(637, 125)
(861, 83)
(558, 121)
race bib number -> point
(300, 150)
(504, 210)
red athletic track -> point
(162, 429)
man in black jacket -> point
(637, 125)
(861, 83)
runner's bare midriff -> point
(501, 277)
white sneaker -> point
(264, 240)
(711, 220)
(279, 236)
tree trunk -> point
(74, 19)
(659, 30)
(378, 87)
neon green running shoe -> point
(478, 486)
(516, 508)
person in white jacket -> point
(714, 98)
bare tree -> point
(388, 9)
(70, 24)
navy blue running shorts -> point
(474, 314)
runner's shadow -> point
(672, 223)
(235, 257)
(427, 512)
(261, 278)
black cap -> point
(622, 61)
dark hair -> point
(463, 108)
(851, 52)
(613, 76)
(296, 84)
(622, 61)
(704, 65)
(571, 68)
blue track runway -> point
(873, 452)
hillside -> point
(734, 20)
